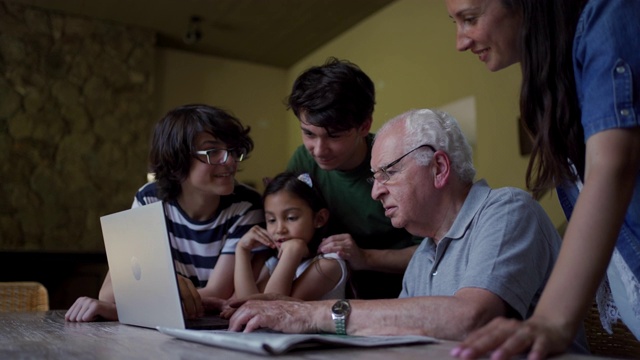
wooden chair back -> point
(23, 296)
(621, 344)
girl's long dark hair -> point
(549, 105)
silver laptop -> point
(142, 270)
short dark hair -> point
(337, 95)
(172, 142)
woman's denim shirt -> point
(606, 59)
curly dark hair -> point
(336, 96)
(172, 143)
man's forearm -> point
(444, 317)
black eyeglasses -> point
(382, 175)
(220, 156)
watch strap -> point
(339, 313)
(341, 325)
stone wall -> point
(76, 108)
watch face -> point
(341, 307)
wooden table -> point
(46, 335)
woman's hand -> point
(506, 338)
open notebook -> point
(142, 270)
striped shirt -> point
(197, 245)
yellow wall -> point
(408, 49)
(253, 93)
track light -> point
(194, 33)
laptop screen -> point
(141, 267)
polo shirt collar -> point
(472, 204)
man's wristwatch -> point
(339, 313)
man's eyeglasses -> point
(220, 156)
(382, 175)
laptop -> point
(143, 273)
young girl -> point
(295, 213)
(195, 152)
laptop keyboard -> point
(210, 322)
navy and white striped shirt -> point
(197, 245)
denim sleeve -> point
(606, 57)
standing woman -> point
(580, 99)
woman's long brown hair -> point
(549, 105)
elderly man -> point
(485, 252)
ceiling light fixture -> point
(194, 33)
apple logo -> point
(136, 269)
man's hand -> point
(346, 248)
(284, 316)
(232, 305)
(87, 309)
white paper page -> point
(273, 343)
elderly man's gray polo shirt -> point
(502, 241)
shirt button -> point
(620, 69)
(624, 112)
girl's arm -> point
(220, 284)
(321, 276)
(291, 254)
(244, 278)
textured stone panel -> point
(76, 104)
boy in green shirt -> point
(334, 103)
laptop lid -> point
(141, 267)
